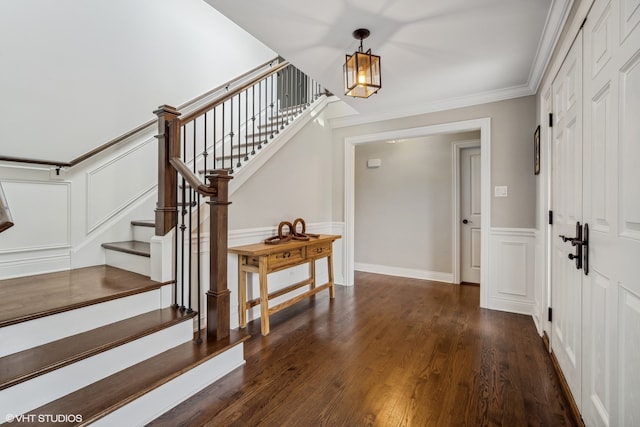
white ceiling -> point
(435, 54)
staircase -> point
(106, 344)
(102, 345)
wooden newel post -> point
(168, 147)
(218, 304)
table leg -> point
(332, 290)
(264, 297)
(242, 291)
(312, 273)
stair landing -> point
(27, 298)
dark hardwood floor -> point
(386, 352)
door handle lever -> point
(578, 243)
(581, 243)
(584, 243)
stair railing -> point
(6, 221)
(58, 164)
(215, 140)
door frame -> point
(350, 143)
(456, 246)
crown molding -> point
(556, 19)
(442, 105)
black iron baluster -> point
(299, 90)
(175, 266)
(231, 135)
(281, 91)
(291, 94)
(309, 89)
(246, 124)
(191, 205)
(284, 109)
(199, 284)
(184, 212)
(190, 210)
(239, 164)
(223, 135)
(272, 104)
(205, 154)
(259, 115)
(215, 157)
(253, 118)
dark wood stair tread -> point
(27, 364)
(144, 223)
(105, 396)
(130, 247)
(27, 298)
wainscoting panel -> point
(33, 231)
(512, 273)
(123, 180)
(34, 265)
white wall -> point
(403, 209)
(511, 234)
(512, 127)
(76, 74)
(296, 182)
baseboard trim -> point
(545, 341)
(404, 272)
(573, 407)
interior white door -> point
(471, 213)
(566, 201)
(611, 308)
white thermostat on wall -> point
(374, 163)
(500, 191)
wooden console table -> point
(264, 259)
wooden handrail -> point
(191, 178)
(103, 147)
(228, 95)
(5, 214)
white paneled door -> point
(611, 303)
(566, 201)
(471, 212)
(595, 332)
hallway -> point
(387, 352)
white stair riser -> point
(155, 403)
(143, 234)
(130, 262)
(38, 391)
(40, 331)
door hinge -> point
(550, 217)
(550, 316)
(550, 120)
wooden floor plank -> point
(27, 364)
(388, 352)
(27, 298)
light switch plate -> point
(374, 163)
(500, 191)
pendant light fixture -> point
(362, 76)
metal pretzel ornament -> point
(292, 232)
